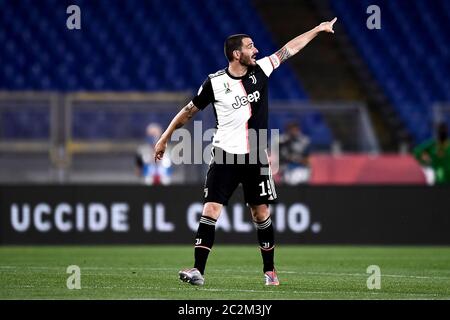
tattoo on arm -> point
(188, 110)
(283, 54)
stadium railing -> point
(109, 127)
(16, 134)
(29, 127)
(93, 136)
(347, 125)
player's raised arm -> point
(178, 121)
(298, 43)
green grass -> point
(233, 272)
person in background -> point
(435, 154)
(152, 173)
(294, 155)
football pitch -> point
(233, 272)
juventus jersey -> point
(240, 104)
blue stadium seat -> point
(128, 45)
(409, 56)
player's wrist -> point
(164, 138)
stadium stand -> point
(408, 56)
(127, 46)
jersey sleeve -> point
(269, 63)
(205, 95)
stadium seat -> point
(408, 56)
(127, 46)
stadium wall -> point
(96, 214)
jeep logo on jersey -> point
(243, 101)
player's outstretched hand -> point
(327, 26)
(160, 148)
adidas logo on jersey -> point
(243, 101)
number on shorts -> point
(263, 189)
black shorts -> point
(224, 177)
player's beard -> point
(247, 60)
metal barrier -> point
(13, 103)
(122, 103)
(349, 122)
(93, 136)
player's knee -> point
(212, 210)
(260, 213)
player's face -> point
(248, 53)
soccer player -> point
(239, 97)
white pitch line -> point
(227, 270)
(88, 268)
(231, 290)
(364, 275)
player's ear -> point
(236, 54)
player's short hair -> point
(233, 42)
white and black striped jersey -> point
(240, 104)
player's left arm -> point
(298, 43)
